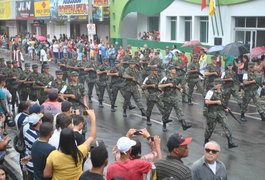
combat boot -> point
(143, 112)
(184, 124)
(112, 108)
(231, 144)
(131, 107)
(124, 113)
(164, 128)
(190, 102)
(89, 99)
(100, 104)
(148, 122)
(262, 115)
(243, 118)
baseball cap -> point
(27, 64)
(46, 66)
(124, 144)
(14, 62)
(35, 108)
(35, 66)
(154, 69)
(59, 72)
(66, 105)
(34, 118)
(176, 140)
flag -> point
(203, 4)
(212, 7)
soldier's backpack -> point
(18, 142)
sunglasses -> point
(211, 150)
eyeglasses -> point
(211, 150)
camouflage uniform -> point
(172, 100)
(229, 88)
(58, 84)
(25, 88)
(44, 80)
(82, 74)
(216, 114)
(34, 93)
(159, 64)
(208, 82)
(181, 75)
(71, 65)
(153, 96)
(62, 64)
(91, 79)
(116, 84)
(131, 89)
(193, 80)
(145, 70)
(251, 93)
(13, 76)
(103, 83)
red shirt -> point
(185, 60)
(129, 170)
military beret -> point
(59, 72)
(27, 64)
(35, 66)
(46, 66)
(74, 73)
(218, 81)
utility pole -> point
(90, 18)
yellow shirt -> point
(64, 166)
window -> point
(188, 28)
(261, 22)
(204, 25)
(153, 23)
(173, 30)
(114, 28)
(113, 16)
(240, 22)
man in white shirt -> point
(209, 167)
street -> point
(243, 163)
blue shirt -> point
(2, 98)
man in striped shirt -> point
(30, 136)
(172, 166)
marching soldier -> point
(58, 82)
(193, 77)
(62, 63)
(229, 87)
(44, 82)
(216, 113)
(180, 72)
(211, 73)
(25, 87)
(153, 97)
(34, 93)
(76, 94)
(157, 62)
(103, 81)
(250, 89)
(145, 70)
(131, 89)
(170, 97)
(91, 69)
(81, 67)
(72, 64)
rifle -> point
(175, 86)
(130, 79)
(231, 113)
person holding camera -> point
(154, 143)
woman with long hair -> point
(66, 163)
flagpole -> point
(212, 25)
(220, 17)
(216, 24)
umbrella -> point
(198, 48)
(257, 51)
(191, 43)
(234, 49)
(41, 38)
(215, 49)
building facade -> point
(183, 20)
(54, 17)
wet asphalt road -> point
(246, 162)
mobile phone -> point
(73, 111)
(138, 132)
